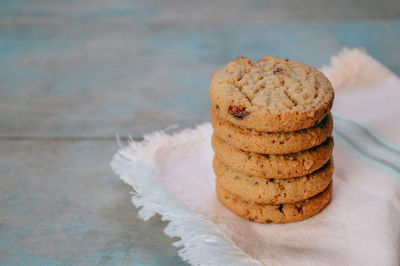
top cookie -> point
(271, 95)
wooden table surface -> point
(75, 73)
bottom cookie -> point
(281, 213)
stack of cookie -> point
(272, 139)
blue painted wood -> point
(96, 68)
(60, 204)
(137, 79)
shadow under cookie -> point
(273, 165)
(281, 213)
(270, 190)
(272, 143)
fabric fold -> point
(172, 176)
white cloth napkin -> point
(172, 176)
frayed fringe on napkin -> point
(201, 242)
(351, 65)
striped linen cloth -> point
(367, 102)
(172, 176)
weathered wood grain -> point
(97, 70)
(60, 203)
(75, 73)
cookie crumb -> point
(277, 70)
(238, 112)
(299, 209)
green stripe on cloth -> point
(367, 144)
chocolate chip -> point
(268, 221)
(299, 209)
(280, 208)
(238, 112)
(272, 180)
(277, 70)
(217, 106)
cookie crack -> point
(290, 98)
(317, 88)
(249, 87)
(240, 88)
(257, 91)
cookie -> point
(271, 95)
(270, 190)
(272, 143)
(272, 165)
(281, 213)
